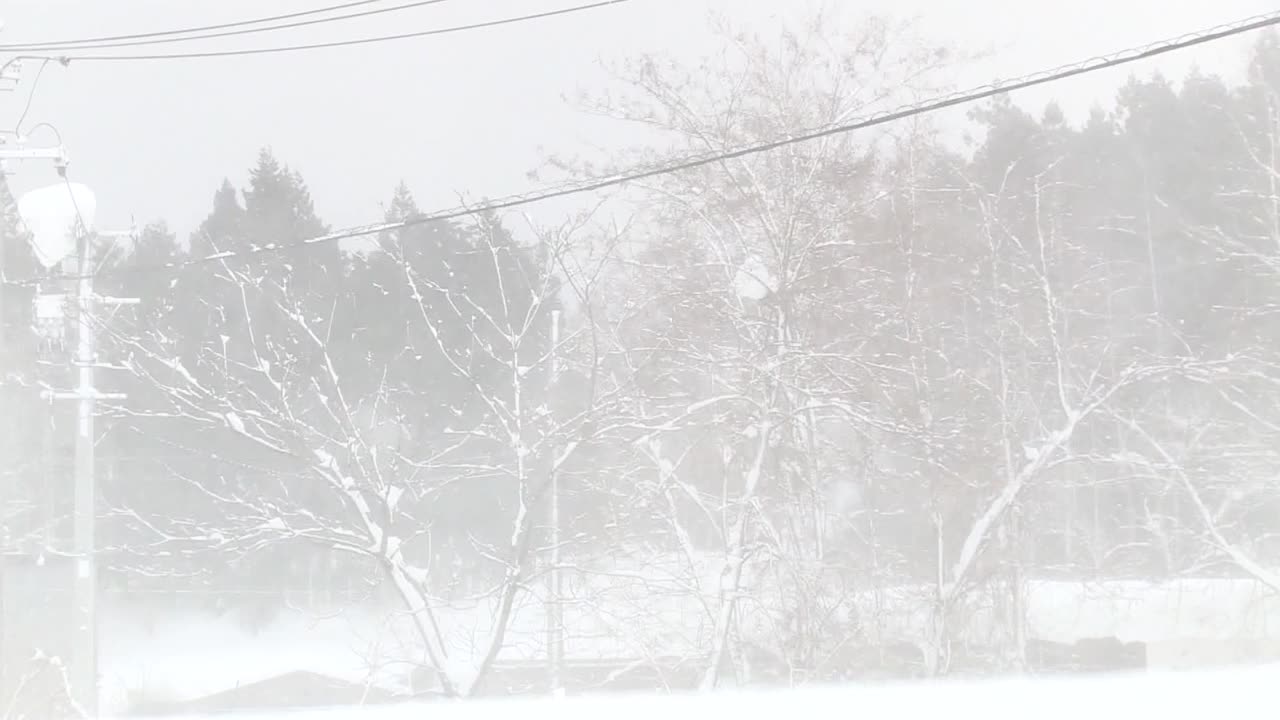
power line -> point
(348, 43)
(31, 96)
(230, 33)
(1123, 57)
(53, 44)
(19, 58)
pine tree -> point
(19, 401)
(19, 264)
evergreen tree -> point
(19, 399)
(19, 265)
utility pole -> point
(50, 316)
(84, 668)
(555, 611)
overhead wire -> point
(31, 95)
(229, 33)
(350, 42)
(19, 58)
(57, 134)
(1117, 59)
(54, 44)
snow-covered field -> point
(175, 657)
(1236, 694)
(1134, 611)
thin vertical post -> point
(85, 674)
(555, 611)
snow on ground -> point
(1066, 612)
(1203, 609)
(183, 656)
(1238, 694)
(657, 606)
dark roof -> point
(290, 691)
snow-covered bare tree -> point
(392, 421)
(1218, 451)
(748, 328)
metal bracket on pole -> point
(57, 154)
(15, 150)
(115, 301)
(99, 366)
(77, 395)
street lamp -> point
(58, 217)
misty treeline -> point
(787, 392)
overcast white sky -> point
(475, 111)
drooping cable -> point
(224, 33)
(1043, 77)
